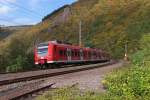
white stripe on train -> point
(72, 61)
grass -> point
(69, 93)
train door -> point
(69, 54)
(81, 54)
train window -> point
(84, 54)
(72, 53)
(61, 53)
(78, 54)
(94, 54)
(65, 53)
(100, 54)
(89, 54)
(42, 51)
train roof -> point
(56, 42)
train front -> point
(41, 54)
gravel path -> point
(85, 80)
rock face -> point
(19, 27)
(59, 16)
(5, 31)
(62, 17)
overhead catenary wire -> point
(19, 6)
(8, 21)
(25, 10)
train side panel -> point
(55, 53)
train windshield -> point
(42, 51)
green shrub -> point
(16, 64)
(138, 58)
(70, 93)
(142, 56)
(132, 83)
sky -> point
(26, 12)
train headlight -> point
(36, 63)
(42, 58)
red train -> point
(56, 52)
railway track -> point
(23, 91)
(33, 75)
(39, 85)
